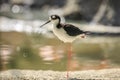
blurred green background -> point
(23, 45)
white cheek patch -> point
(53, 16)
(55, 22)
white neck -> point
(55, 22)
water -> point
(39, 52)
(45, 52)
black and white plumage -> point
(65, 32)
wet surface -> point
(51, 54)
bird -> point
(65, 32)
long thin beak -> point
(45, 23)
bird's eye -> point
(54, 17)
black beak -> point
(45, 23)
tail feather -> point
(83, 35)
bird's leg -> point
(69, 57)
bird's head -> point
(55, 19)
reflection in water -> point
(25, 54)
(50, 53)
(90, 53)
(85, 56)
(5, 52)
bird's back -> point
(72, 30)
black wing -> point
(72, 30)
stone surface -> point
(104, 74)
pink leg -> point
(69, 56)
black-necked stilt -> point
(65, 32)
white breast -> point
(62, 35)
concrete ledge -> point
(105, 74)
